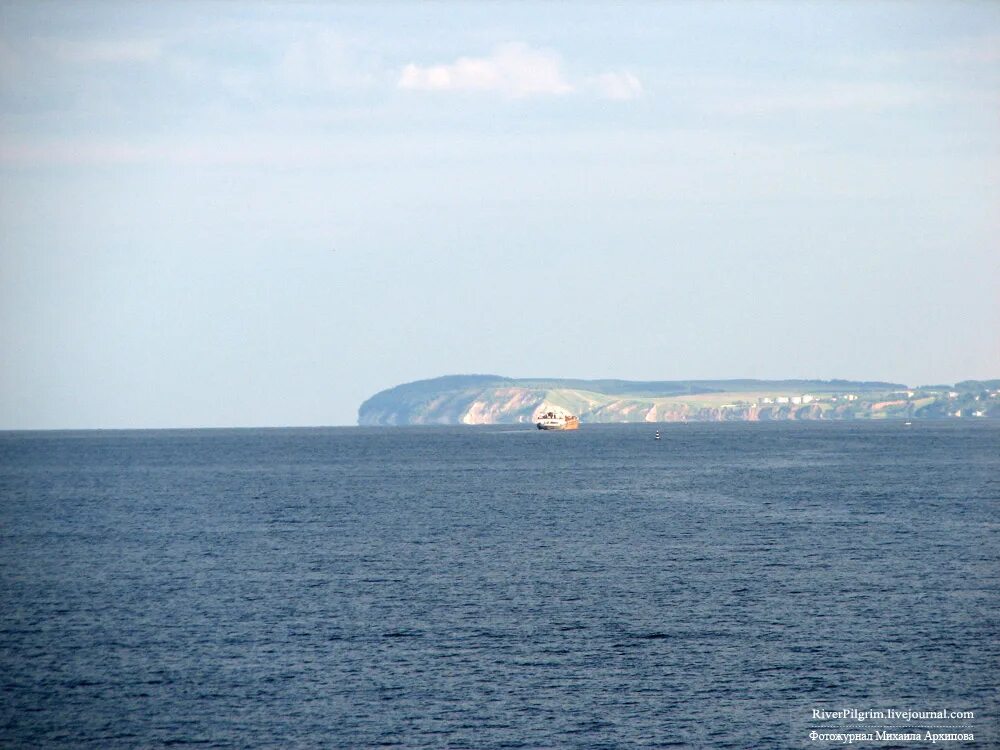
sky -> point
(237, 214)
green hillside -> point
(494, 399)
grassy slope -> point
(445, 399)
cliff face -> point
(491, 399)
(460, 399)
(503, 405)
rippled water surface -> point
(494, 587)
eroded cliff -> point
(492, 399)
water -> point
(495, 587)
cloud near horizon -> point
(870, 97)
(618, 86)
(514, 70)
(104, 50)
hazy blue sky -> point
(238, 214)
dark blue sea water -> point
(492, 587)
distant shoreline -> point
(493, 399)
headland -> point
(493, 399)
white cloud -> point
(10, 64)
(514, 70)
(834, 97)
(105, 51)
(620, 86)
(982, 50)
(69, 152)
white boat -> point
(556, 420)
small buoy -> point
(657, 435)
